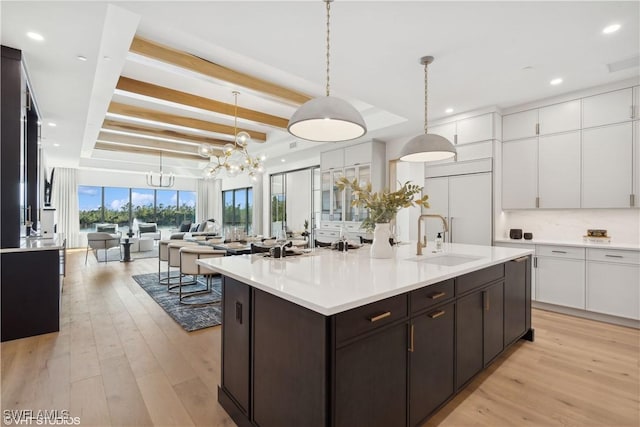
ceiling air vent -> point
(293, 144)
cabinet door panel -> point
(438, 191)
(468, 337)
(358, 154)
(519, 125)
(560, 117)
(516, 299)
(332, 159)
(431, 366)
(370, 377)
(447, 130)
(561, 282)
(235, 352)
(493, 301)
(559, 170)
(614, 289)
(475, 129)
(520, 174)
(636, 161)
(636, 102)
(470, 204)
(606, 166)
(607, 108)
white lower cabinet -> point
(560, 281)
(613, 282)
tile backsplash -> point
(623, 225)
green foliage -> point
(384, 205)
(278, 210)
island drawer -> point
(431, 295)
(478, 278)
(369, 317)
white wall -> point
(623, 225)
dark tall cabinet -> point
(19, 157)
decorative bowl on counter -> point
(596, 233)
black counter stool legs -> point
(189, 255)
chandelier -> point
(160, 179)
(235, 159)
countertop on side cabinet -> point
(38, 244)
(574, 243)
(329, 282)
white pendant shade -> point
(427, 148)
(327, 119)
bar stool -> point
(173, 260)
(163, 255)
(189, 255)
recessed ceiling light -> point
(56, 145)
(449, 110)
(106, 58)
(282, 160)
(610, 28)
(555, 81)
(35, 36)
(52, 124)
(81, 58)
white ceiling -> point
(487, 54)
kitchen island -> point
(341, 339)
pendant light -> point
(428, 147)
(160, 179)
(327, 118)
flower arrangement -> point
(384, 205)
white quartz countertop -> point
(38, 244)
(573, 243)
(329, 282)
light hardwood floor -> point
(119, 359)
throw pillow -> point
(194, 228)
(210, 227)
(202, 226)
(185, 226)
(147, 228)
(111, 229)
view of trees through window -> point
(238, 209)
(128, 206)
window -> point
(238, 209)
(124, 206)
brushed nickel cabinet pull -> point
(631, 112)
(537, 128)
(437, 295)
(380, 317)
(485, 296)
(537, 202)
(632, 200)
(614, 256)
(436, 314)
(535, 262)
(521, 259)
(559, 252)
(411, 348)
(455, 139)
(239, 312)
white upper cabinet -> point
(474, 129)
(607, 166)
(332, 159)
(447, 130)
(357, 154)
(559, 117)
(520, 174)
(559, 170)
(520, 125)
(607, 108)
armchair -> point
(148, 230)
(102, 240)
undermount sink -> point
(448, 260)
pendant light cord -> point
(328, 41)
(426, 98)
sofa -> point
(208, 228)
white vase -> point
(381, 248)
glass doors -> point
(293, 196)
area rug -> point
(190, 317)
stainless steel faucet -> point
(424, 245)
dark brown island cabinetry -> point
(390, 363)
